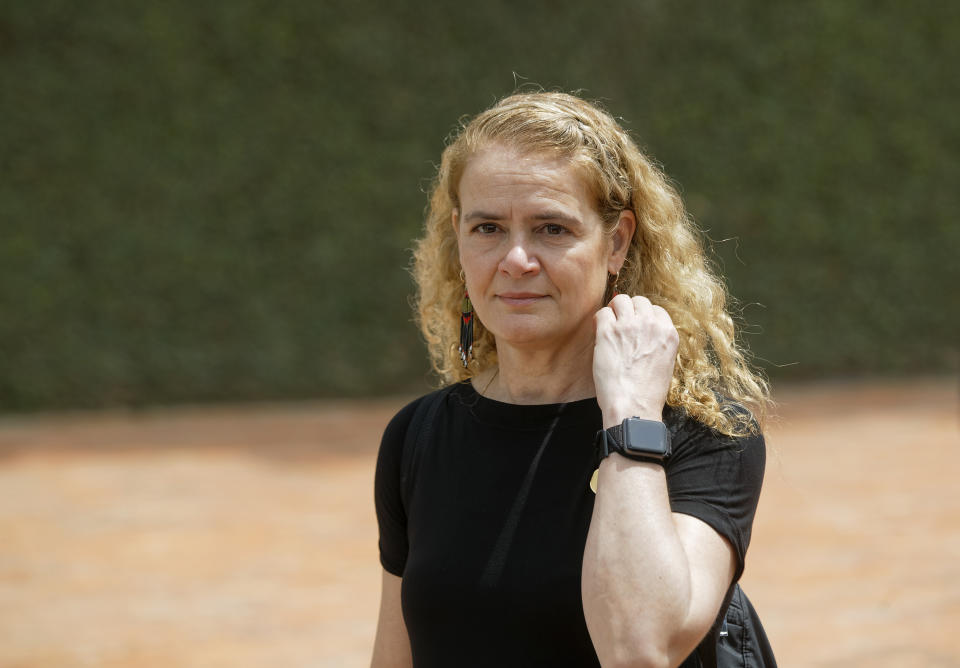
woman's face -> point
(533, 249)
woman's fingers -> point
(635, 311)
(605, 318)
(624, 305)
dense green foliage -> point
(211, 201)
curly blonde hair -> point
(665, 262)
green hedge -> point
(215, 201)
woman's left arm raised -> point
(652, 581)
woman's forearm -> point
(636, 579)
(651, 584)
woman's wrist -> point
(617, 413)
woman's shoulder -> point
(396, 430)
(687, 430)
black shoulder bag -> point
(741, 641)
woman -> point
(563, 291)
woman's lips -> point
(519, 298)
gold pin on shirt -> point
(593, 480)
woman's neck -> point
(539, 376)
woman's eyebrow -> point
(556, 215)
(482, 215)
(543, 215)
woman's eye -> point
(553, 229)
(486, 228)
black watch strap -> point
(614, 440)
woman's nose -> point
(519, 261)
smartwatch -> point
(635, 438)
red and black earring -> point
(466, 329)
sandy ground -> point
(246, 536)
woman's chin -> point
(529, 335)
(518, 334)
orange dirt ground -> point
(246, 536)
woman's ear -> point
(622, 236)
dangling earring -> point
(613, 289)
(466, 329)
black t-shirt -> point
(487, 523)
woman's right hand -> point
(633, 359)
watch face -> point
(646, 437)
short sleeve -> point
(717, 479)
(388, 495)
